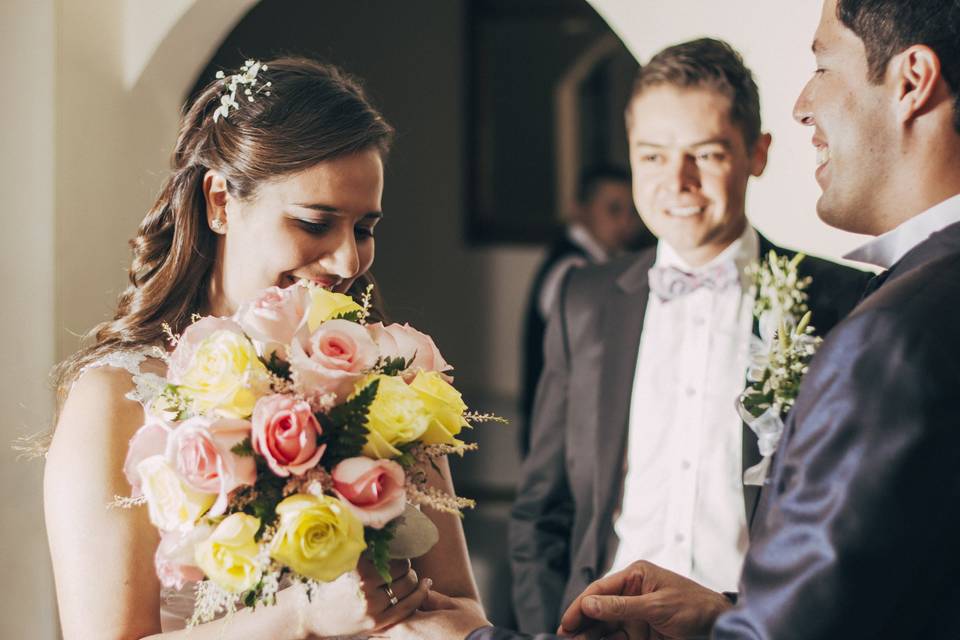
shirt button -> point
(690, 391)
(678, 538)
(698, 321)
(685, 465)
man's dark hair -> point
(591, 178)
(887, 27)
(711, 64)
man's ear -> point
(759, 154)
(215, 194)
(917, 76)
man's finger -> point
(612, 584)
(616, 608)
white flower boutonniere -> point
(779, 358)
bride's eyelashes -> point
(320, 227)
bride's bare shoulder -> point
(97, 412)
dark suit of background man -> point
(857, 532)
(637, 449)
(604, 225)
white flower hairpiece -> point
(246, 78)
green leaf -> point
(378, 546)
(278, 367)
(243, 448)
(352, 316)
(345, 426)
(391, 366)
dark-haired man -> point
(856, 535)
(603, 226)
(637, 449)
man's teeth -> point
(684, 212)
(823, 155)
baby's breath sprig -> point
(440, 450)
(438, 500)
(127, 502)
(366, 301)
(210, 600)
(473, 416)
(247, 78)
(172, 338)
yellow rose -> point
(397, 416)
(225, 376)
(325, 305)
(318, 537)
(229, 555)
(445, 406)
(172, 503)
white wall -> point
(27, 41)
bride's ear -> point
(215, 194)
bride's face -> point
(315, 225)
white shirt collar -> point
(742, 251)
(886, 250)
(578, 235)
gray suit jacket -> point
(563, 515)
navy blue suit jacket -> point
(858, 530)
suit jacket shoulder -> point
(865, 477)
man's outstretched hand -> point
(644, 602)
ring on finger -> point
(390, 594)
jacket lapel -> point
(750, 454)
(621, 326)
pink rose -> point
(372, 489)
(200, 451)
(174, 559)
(273, 318)
(332, 358)
(285, 433)
(182, 355)
(403, 341)
(149, 440)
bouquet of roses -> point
(287, 440)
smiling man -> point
(637, 449)
(856, 534)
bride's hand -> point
(342, 610)
(389, 604)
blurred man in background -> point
(604, 224)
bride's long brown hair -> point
(314, 112)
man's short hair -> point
(591, 178)
(710, 64)
(887, 27)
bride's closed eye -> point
(320, 227)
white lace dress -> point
(176, 605)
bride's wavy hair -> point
(313, 112)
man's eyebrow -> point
(718, 140)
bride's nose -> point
(344, 259)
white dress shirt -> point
(578, 235)
(885, 250)
(682, 500)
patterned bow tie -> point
(670, 283)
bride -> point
(277, 176)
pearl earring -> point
(218, 225)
